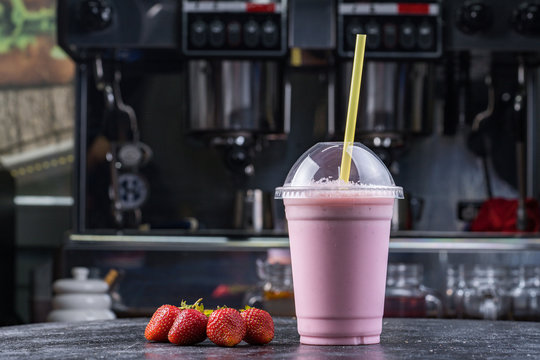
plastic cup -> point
(339, 234)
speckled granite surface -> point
(401, 339)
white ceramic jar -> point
(80, 299)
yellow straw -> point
(352, 110)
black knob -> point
(351, 31)
(474, 16)
(407, 36)
(239, 159)
(198, 37)
(390, 36)
(251, 34)
(95, 15)
(234, 33)
(426, 36)
(270, 34)
(217, 34)
(373, 31)
(526, 18)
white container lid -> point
(80, 283)
(316, 174)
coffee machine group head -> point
(236, 54)
(404, 39)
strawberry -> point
(259, 326)
(189, 328)
(161, 322)
(226, 327)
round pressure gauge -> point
(132, 191)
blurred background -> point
(37, 104)
(143, 141)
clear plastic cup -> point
(339, 234)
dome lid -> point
(316, 174)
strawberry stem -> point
(197, 305)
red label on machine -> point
(260, 8)
(230, 6)
(388, 8)
(413, 9)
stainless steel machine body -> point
(204, 100)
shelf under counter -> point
(405, 241)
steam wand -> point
(485, 144)
(520, 113)
(112, 95)
(123, 107)
(128, 190)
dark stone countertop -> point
(401, 339)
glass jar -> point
(455, 291)
(275, 292)
(486, 296)
(525, 294)
(405, 294)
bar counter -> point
(400, 241)
(401, 339)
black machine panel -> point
(498, 25)
(89, 25)
(394, 30)
(234, 28)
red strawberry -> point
(161, 322)
(259, 326)
(226, 327)
(189, 328)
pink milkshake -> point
(339, 235)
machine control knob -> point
(390, 36)
(96, 15)
(217, 34)
(350, 34)
(251, 34)
(474, 16)
(198, 37)
(526, 18)
(373, 31)
(270, 34)
(234, 34)
(426, 36)
(407, 36)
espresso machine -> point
(404, 46)
(438, 75)
(482, 146)
(176, 101)
(188, 110)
